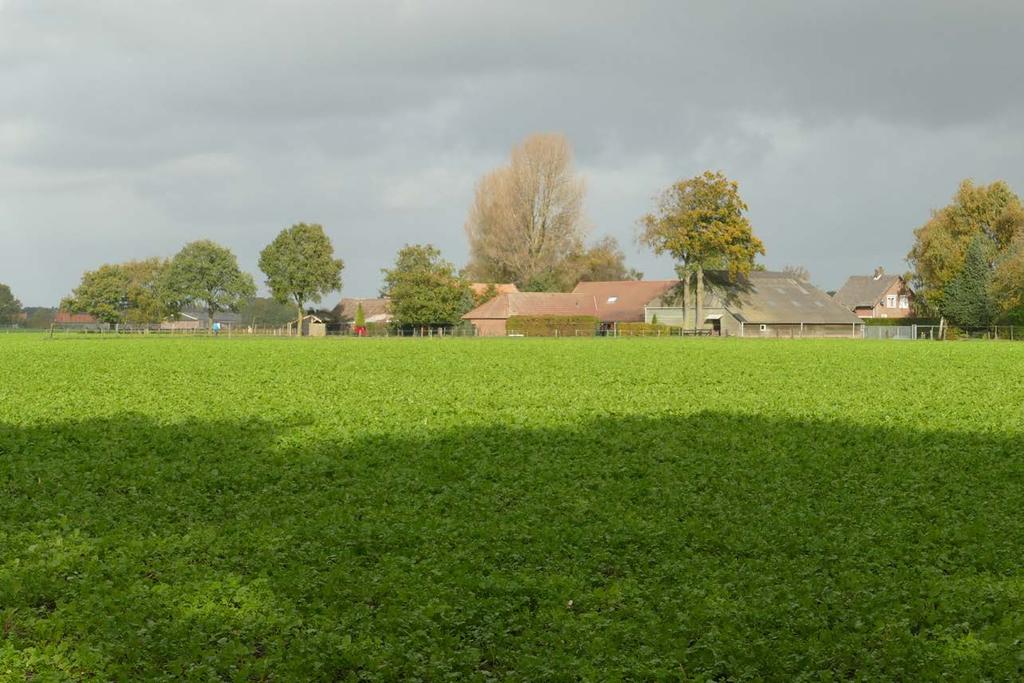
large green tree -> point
(206, 275)
(701, 222)
(131, 292)
(603, 261)
(967, 299)
(261, 310)
(992, 212)
(300, 266)
(424, 289)
(9, 306)
(1008, 280)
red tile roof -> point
(69, 317)
(624, 300)
(505, 306)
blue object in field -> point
(216, 328)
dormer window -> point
(612, 299)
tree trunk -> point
(698, 321)
(298, 322)
(686, 298)
(209, 320)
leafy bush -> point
(553, 325)
(651, 329)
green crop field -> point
(381, 509)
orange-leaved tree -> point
(701, 222)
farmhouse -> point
(623, 301)
(375, 310)
(761, 304)
(491, 318)
(196, 319)
(84, 321)
(876, 296)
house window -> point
(890, 301)
(612, 299)
(764, 328)
(904, 301)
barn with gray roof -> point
(761, 304)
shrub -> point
(651, 329)
(553, 325)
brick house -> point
(491, 318)
(78, 321)
(876, 296)
(623, 301)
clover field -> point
(592, 509)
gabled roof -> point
(770, 298)
(865, 290)
(479, 288)
(624, 300)
(777, 298)
(377, 309)
(505, 306)
(202, 317)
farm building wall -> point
(489, 327)
(673, 315)
(794, 330)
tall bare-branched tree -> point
(527, 216)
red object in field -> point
(361, 331)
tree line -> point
(299, 266)
(527, 226)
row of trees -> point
(968, 259)
(299, 265)
(525, 226)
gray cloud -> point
(127, 129)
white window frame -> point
(890, 301)
(904, 301)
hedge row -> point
(645, 329)
(552, 325)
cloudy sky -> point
(130, 127)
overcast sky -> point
(130, 127)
